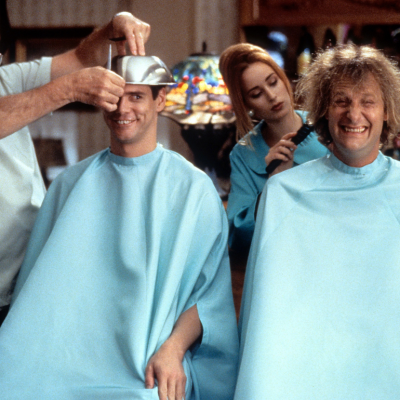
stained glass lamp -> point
(200, 95)
(200, 104)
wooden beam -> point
(323, 12)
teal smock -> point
(320, 314)
(21, 184)
(120, 249)
(248, 177)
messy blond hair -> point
(233, 61)
(354, 63)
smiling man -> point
(320, 312)
(355, 120)
(125, 290)
(133, 126)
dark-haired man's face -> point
(133, 125)
(355, 118)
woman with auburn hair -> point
(259, 90)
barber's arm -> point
(97, 87)
(76, 76)
(93, 50)
(166, 364)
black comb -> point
(302, 133)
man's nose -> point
(123, 105)
(354, 112)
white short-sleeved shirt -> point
(21, 185)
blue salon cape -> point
(121, 247)
(248, 177)
(320, 316)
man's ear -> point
(161, 98)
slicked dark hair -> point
(155, 90)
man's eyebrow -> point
(369, 94)
(135, 92)
(339, 93)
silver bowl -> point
(142, 70)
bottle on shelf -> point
(305, 51)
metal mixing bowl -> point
(142, 70)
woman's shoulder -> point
(252, 143)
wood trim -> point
(322, 12)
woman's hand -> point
(283, 150)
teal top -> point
(248, 178)
(120, 249)
(320, 312)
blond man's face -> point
(355, 119)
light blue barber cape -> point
(121, 247)
(320, 317)
(248, 177)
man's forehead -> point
(367, 85)
(130, 88)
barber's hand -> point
(96, 86)
(135, 31)
(166, 366)
(283, 150)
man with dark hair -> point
(125, 290)
(31, 90)
(320, 313)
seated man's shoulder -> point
(72, 173)
(185, 177)
(394, 171)
(395, 164)
(307, 171)
(181, 167)
(314, 172)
